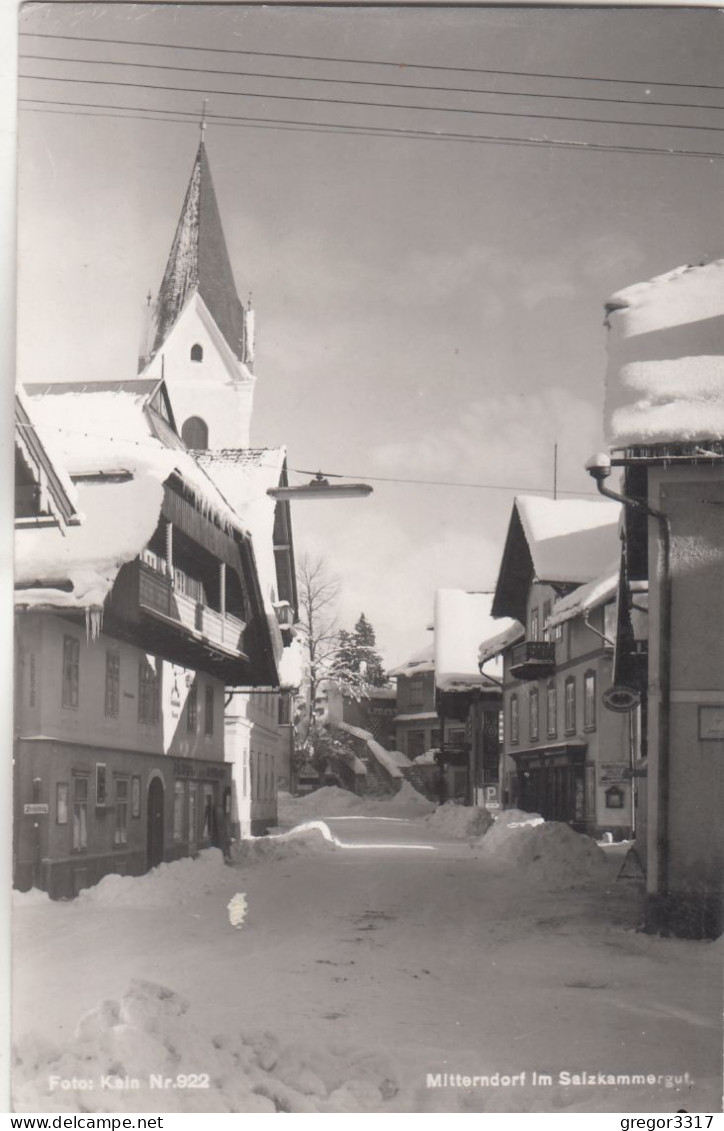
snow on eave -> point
(586, 597)
(497, 644)
(462, 620)
(27, 432)
(422, 661)
(568, 537)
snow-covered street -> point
(361, 968)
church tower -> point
(201, 337)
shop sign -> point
(614, 771)
(35, 810)
(187, 769)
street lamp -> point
(321, 488)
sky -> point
(426, 309)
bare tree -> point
(317, 628)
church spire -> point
(199, 262)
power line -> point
(370, 82)
(376, 62)
(373, 105)
(86, 110)
(439, 483)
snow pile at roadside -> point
(164, 886)
(328, 801)
(407, 802)
(151, 1032)
(459, 820)
(30, 898)
(547, 852)
(311, 836)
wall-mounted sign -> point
(613, 771)
(35, 810)
(711, 721)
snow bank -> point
(311, 836)
(665, 375)
(331, 801)
(152, 1030)
(548, 852)
(459, 820)
(165, 886)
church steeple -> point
(199, 262)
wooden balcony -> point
(533, 659)
(158, 597)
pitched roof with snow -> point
(462, 621)
(556, 542)
(494, 645)
(665, 375)
(106, 439)
(199, 262)
(422, 661)
(587, 597)
(35, 448)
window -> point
(147, 691)
(417, 687)
(558, 632)
(534, 624)
(195, 433)
(32, 680)
(197, 352)
(113, 683)
(80, 813)
(192, 813)
(435, 739)
(534, 715)
(61, 803)
(415, 743)
(192, 709)
(209, 815)
(546, 618)
(120, 835)
(209, 710)
(135, 797)
(71, 666)
(589, 701)
(514, 721)
(457, 737)
(179, 804)
(570, 705)
(101, 787)
(552, 699)
(284, 710)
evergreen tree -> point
(367, 654)
(357, 666)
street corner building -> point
(664, 420)
(149, 598)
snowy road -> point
(421, 955)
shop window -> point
(71, 670)
(197, 352)
(534, 715)
(589, 701)
(80, 813)
(209, 710)
(147, 692)
(207, 798)
(514, 719)
(113, 684)
(193, 826)
(552, 700)
(101, 784)
(121, 830)
(192, 709)
(61, 803)
(570, 704)
(179, 805)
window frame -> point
(514, 706)
(80, 810)
(417, 690)
(534, 714)
(196, 353)
(570, 705)
(120, 828)
(192, 710)
(62, 802)
(112, 702)
(209, 709)
(551, 715)
(101, 783)
(180, 805)
(148, 693)
(589, 702)
(534, 621)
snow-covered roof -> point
(665, 375)
(40, 455)
(567, 537)
(422, 661)
(105, 438)
(494, 645)
(586, 597)
(291, 666)
(462, 620)
(244, 476)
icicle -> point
(93, 623)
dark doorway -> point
(154, 824)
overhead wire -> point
(555, 96)
(83, 109)
(375, 62)
(374, 105)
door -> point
(154, 825)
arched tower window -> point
(197, 352)
(195, 433)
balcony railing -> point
(157, 595)
(532, 659)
